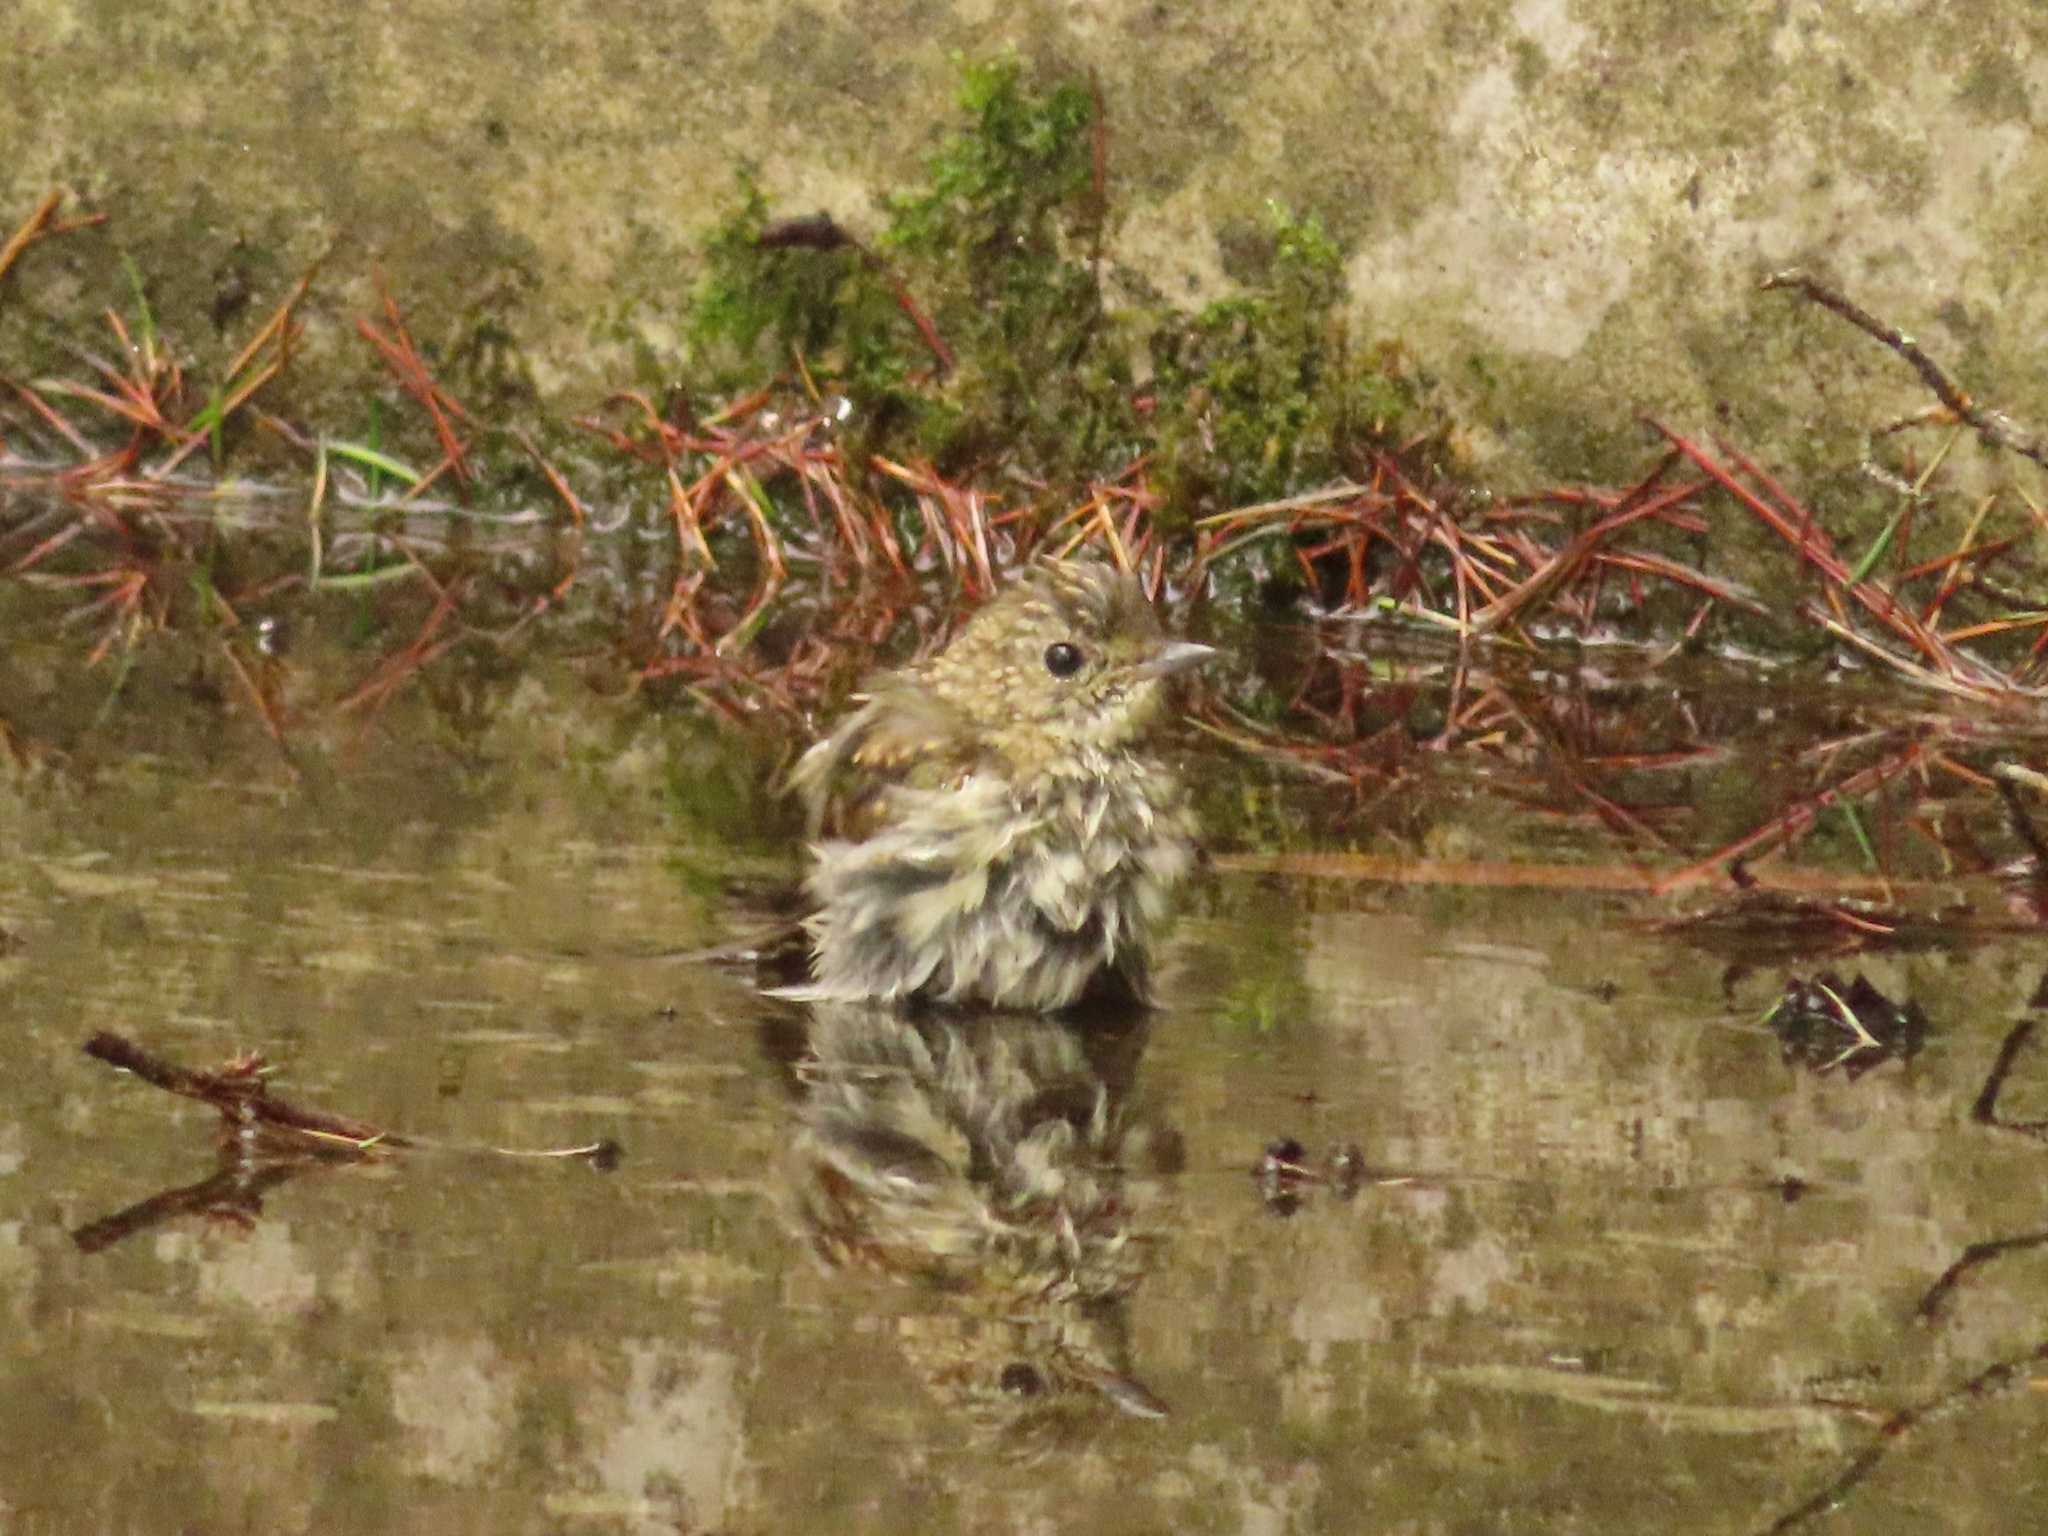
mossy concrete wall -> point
(1559, 207)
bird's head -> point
(1067, 664)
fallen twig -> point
(241, 1092)
(243, 1098)
(1995, 427)
(1973, 1258)
(40, 225)
(1985, 1110)
(2003, 1376)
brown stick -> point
(821, 232)
(406, 365)
(1995, 427)
(245, 1102)
(2009, 1375)
(40, 225)
(241, 1095)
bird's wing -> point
(902, 735)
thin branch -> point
(242, 1096)
(1995, 427)
(40, 225)
(1994, 1380)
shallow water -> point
(1609, 1262)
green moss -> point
(1995, 90)
(993, 249)
(1260, 394)
(997, 247)
(760, 306)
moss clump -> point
(1003, 234)
(1261, 394)
(763, 305)
(999, 249)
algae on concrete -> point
(1557, 208)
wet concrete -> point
(1562, 210)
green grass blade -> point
(1877, 548)
(1862, 838)
(353, 579)
(148, 337)
(371, 459)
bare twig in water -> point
(1973, 1257)
(1993, 1381)
(239, 1091)
(1985, 1110)
(1995, 427)
(243, 1097)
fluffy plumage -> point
(998, 833)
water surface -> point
(1604, 1261)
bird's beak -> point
(1126, 1392)
(1176, 656)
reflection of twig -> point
(1975, 1256)
(234, 1194)
(1985, 1110)
(423, 648)
(1994, 427)
(1993, 1379)
(1795, 823)
(2009, 776)
(1562, 762)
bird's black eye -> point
(1063, 659)
(1020, 1380)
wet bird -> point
(997, 832)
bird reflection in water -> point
(982, 1157)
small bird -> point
(999, 836)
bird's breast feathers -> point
(977, 891)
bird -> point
(997, 829)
